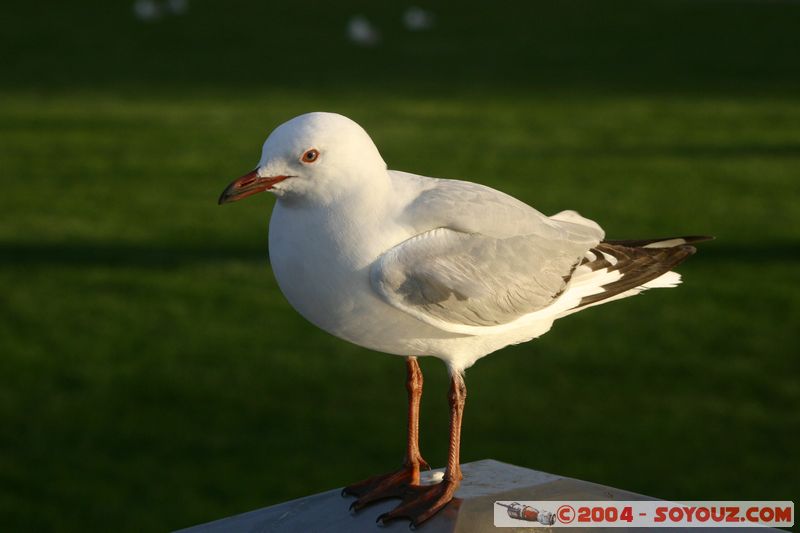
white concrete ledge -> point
(484, 483)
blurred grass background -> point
(153, 377)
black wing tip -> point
(683, 240)
(638, 265)
(691, 239)
(675, 255)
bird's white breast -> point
(321, 260)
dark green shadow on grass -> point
(177, 255)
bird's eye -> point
(309, 156)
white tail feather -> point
(666, 280)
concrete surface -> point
(484, 483)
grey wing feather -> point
(474, 208)
(445, 276)
(480, 257)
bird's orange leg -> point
(395, 484)
(422, 502)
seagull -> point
(417, 266)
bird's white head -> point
(315, 157)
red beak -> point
(248, 185)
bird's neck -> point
(371, 194)
(352, 229)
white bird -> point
(414, 266)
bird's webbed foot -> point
(392, 485)
(421, 502)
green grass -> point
(153, 377)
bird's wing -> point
(489, 261)
(473, 208)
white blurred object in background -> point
(417, 19)
(362, 32)
(179, 7)
(150, 10)
(146, 10)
